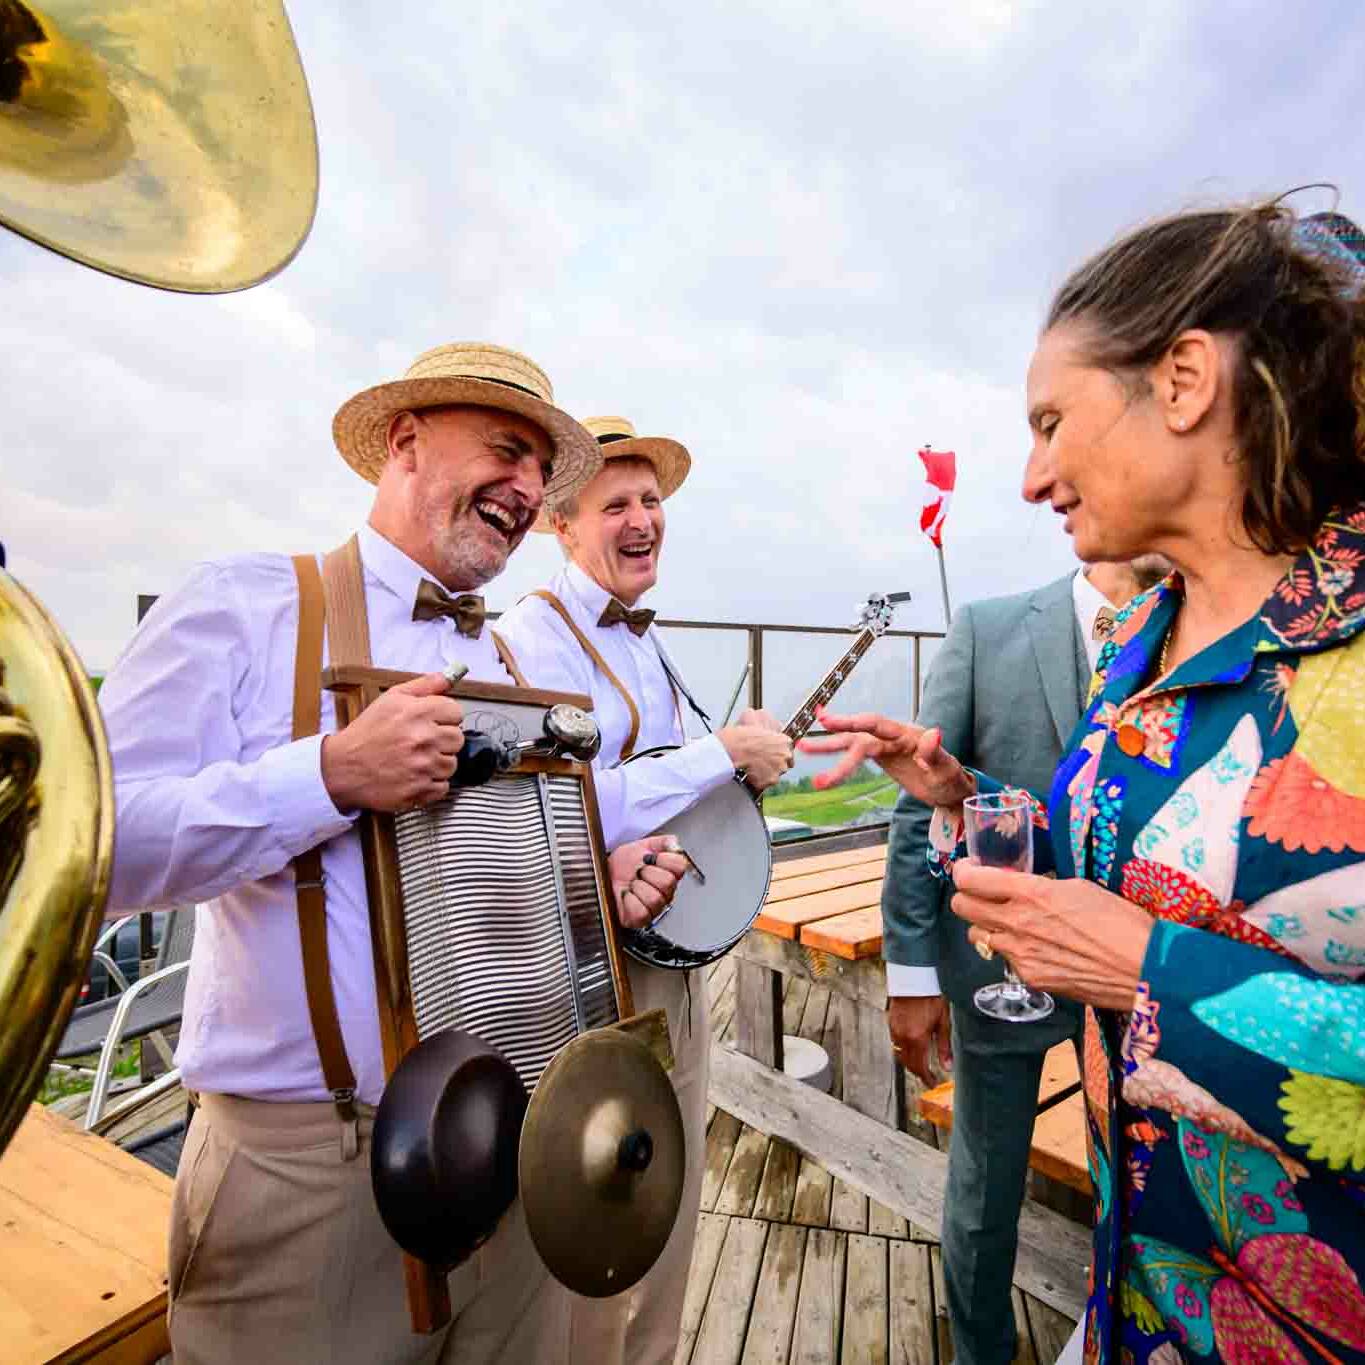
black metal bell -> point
(444, 1153)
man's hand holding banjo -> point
(758, 748)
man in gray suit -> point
(1006, 689)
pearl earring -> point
(1180, 424)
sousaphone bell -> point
(167, 141)
(56, 841)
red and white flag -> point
(940, 474)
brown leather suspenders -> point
(595, 654)
(308, 879)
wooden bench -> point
(822, 919)
(82, 1248)
(1058, 1149)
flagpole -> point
(943, 580)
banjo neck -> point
(802, 721)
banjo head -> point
(725, 834)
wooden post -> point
(758, 1013)
(874, 1083)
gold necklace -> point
(1165, 647)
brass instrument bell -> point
(171, 143)
(56, 841)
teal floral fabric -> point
(1227, 1111)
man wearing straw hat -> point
(277, 1251)
(585, 632)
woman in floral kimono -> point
(1196, 392)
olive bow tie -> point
(637, 622)
(1104, 624)
(466, 610)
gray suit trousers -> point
(995, 1092)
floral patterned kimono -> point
(1227, 1112)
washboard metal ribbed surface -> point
(502, 908)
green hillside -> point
(838, 806)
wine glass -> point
(1000, 834)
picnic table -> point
(822, 920)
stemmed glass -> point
(1000, 834)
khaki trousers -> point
(641, 1326)
(277, 1253)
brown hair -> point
(1297, 388)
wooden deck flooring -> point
(792, 1265)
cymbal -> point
(601, 1163)
(171, 143)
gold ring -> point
(983, 947)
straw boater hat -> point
(467, 372)
(618, 441)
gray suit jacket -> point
(1006, 688)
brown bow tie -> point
(1104, 624)
(466, 610)
(637, 622)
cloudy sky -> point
(802, 238)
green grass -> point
(837, 806)
(58, 1084)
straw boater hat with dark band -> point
(617, 439)
(467, 372)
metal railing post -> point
(756, 667)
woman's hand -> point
(1071, 937)
(913, 756)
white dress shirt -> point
(214, 799)
(906, 979)
(1089, 602)
(635, 798)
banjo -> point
(726, 838)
